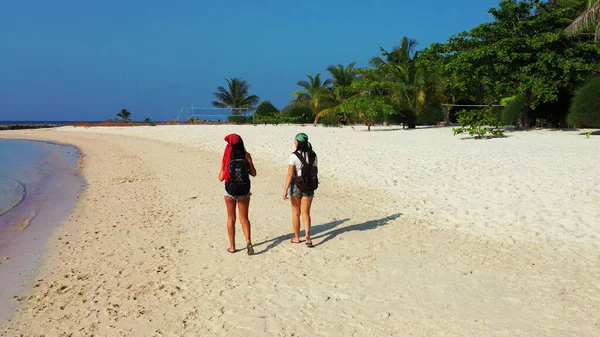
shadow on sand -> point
(400, 128)
(328, 231)
(372, 224)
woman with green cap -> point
(300, 185)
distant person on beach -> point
(303, 118)
(300, 184)
(236, 169)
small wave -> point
(12, 193)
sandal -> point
(292, 241)
(250, 249)
(309, 244)
(230, 251)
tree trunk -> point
(447, 115)
(524, 109)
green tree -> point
(342, 79)
(367, 107)
(398, 58)
(523, 51)
(414, 85)
(315, 94)
(512, 110)
(265, 108)
(297, 109)
(396, 85)
(124, 115)
(585, 109)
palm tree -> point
(124, 115)
(399, 56)
(342, 79)
(316, 94)
(399, 66)
(590, 16)
(235, 96)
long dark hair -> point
(239, 150)
(303, 147)
(306, 148)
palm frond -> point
(301, 96)
(376, 62)
(235, 95)
(315, 81)
(329, 112)
(219, 104)
(588, 17)
(408, 46)
(250, 101)
(419, 78)
(315, 93)
(304, 85)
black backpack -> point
(308, 180)
(239, 180)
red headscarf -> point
(231, 139)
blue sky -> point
(86, 60)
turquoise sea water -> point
(39, 184)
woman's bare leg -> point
(230, 203)
(243, 205)
(296, 218)
(306, 202)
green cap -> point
(302, 137)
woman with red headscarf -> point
(236, 167)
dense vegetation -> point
(585, 110)
(532, 58)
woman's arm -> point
(221, 174)
(288, 180)
(251, 164)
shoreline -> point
(46, 203)
(27, 126)
(147, 240)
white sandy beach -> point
(417, 233)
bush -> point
(512, 110)
(585, 109)
(278, 119)
(266, 109)
(478, 123)
(239, 119)
(296, 110)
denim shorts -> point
(294, 191)
(239, 196)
